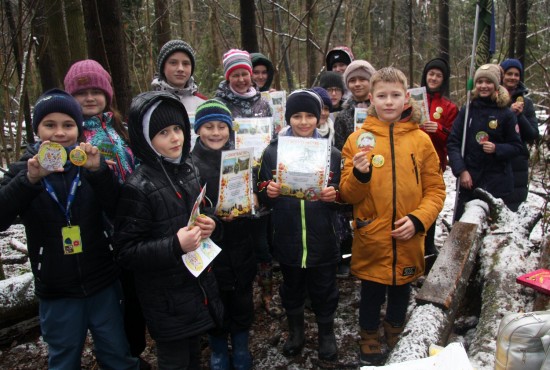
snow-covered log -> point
(506, 253)
(18, 246)
(444, 288)
(17, 299)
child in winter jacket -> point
(62, 206)
(304, 239)
(151, 235)
(90, 84)
(391, 177)
(235, 266)
(442, 113)
(492, 140)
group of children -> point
(129, 203)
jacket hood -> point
(443, 66)
(260, 59)
(338, 54)
(411, 112)
(138, 109)
(502, 98)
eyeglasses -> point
(333, 90)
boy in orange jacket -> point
(392, 178)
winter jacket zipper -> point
(394, 205)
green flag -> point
(486, 43)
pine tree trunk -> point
(311, 53)
(75, 28)
(513, 29)
(249, 36)
(162, 22)
(444, 29)
(521, 38)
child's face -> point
(59, 128)
(92, 101)
(169, 141)
(339, 67)
(389, 99)
(177, 69)
(240, 80)
(335, 94)
(214, 134)
(485, 87)
(325, 113)
(303, 124)
(511, 78)
(359, 87)
(260, 75)
(434, 79)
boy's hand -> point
(273, 189)
(93, 161)
(206, 225)
(328, 194)
(361, 162)
(489, 147)
(466, 180)
(189, 238)
(404, 229)
(430, 126)
(35, 172)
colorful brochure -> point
(236, 189)
(199, 259)
(419, 94)
(538, 280)
(303, 166)
(359, 117)
(277, 102)
(253, 133)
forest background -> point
(40, 39)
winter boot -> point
(392, 333)
(265, 281)
(219, 359)
(242, 359)
(370, 348)
(296, 338)
(327, 341)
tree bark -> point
(444, 29)
(107, 45)
(45, 61)
(389, 55)
(249, 36)
(521, 40)
(513, 29)
(162, 22)
(75, 28)
(58, 36)
(311, 53)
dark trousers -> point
(238, 309)
(373, 296)
(320, 285)
(134, 323)
(179, 355)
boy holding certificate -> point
(235, 266)
(152, 236)
(304, 239)
(391, 177)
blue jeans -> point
(65, 323)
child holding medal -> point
(391, 177)
(62, 206)
(492, 140)
(304, 238)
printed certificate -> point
(253, 133)
(235, 189)
(359, 117)
(199, 259)
(303, 166)
(277, 102)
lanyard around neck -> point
(70, 198)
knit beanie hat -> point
(442, 65)
(170, 48)
(513, 63)
(341, 54)
(331, 79)
(324, 96)
(56, 101)
(212, 110)
(165, 114)
(303, 100)
(359, 68)
(235, 59)
(88, 74)
(490, 71)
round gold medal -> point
(437, 115)
(378, 160)
(78, 156)
(439, 110)
(285, 189)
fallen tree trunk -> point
(432, 320)
(503, 246)
(17, 299)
